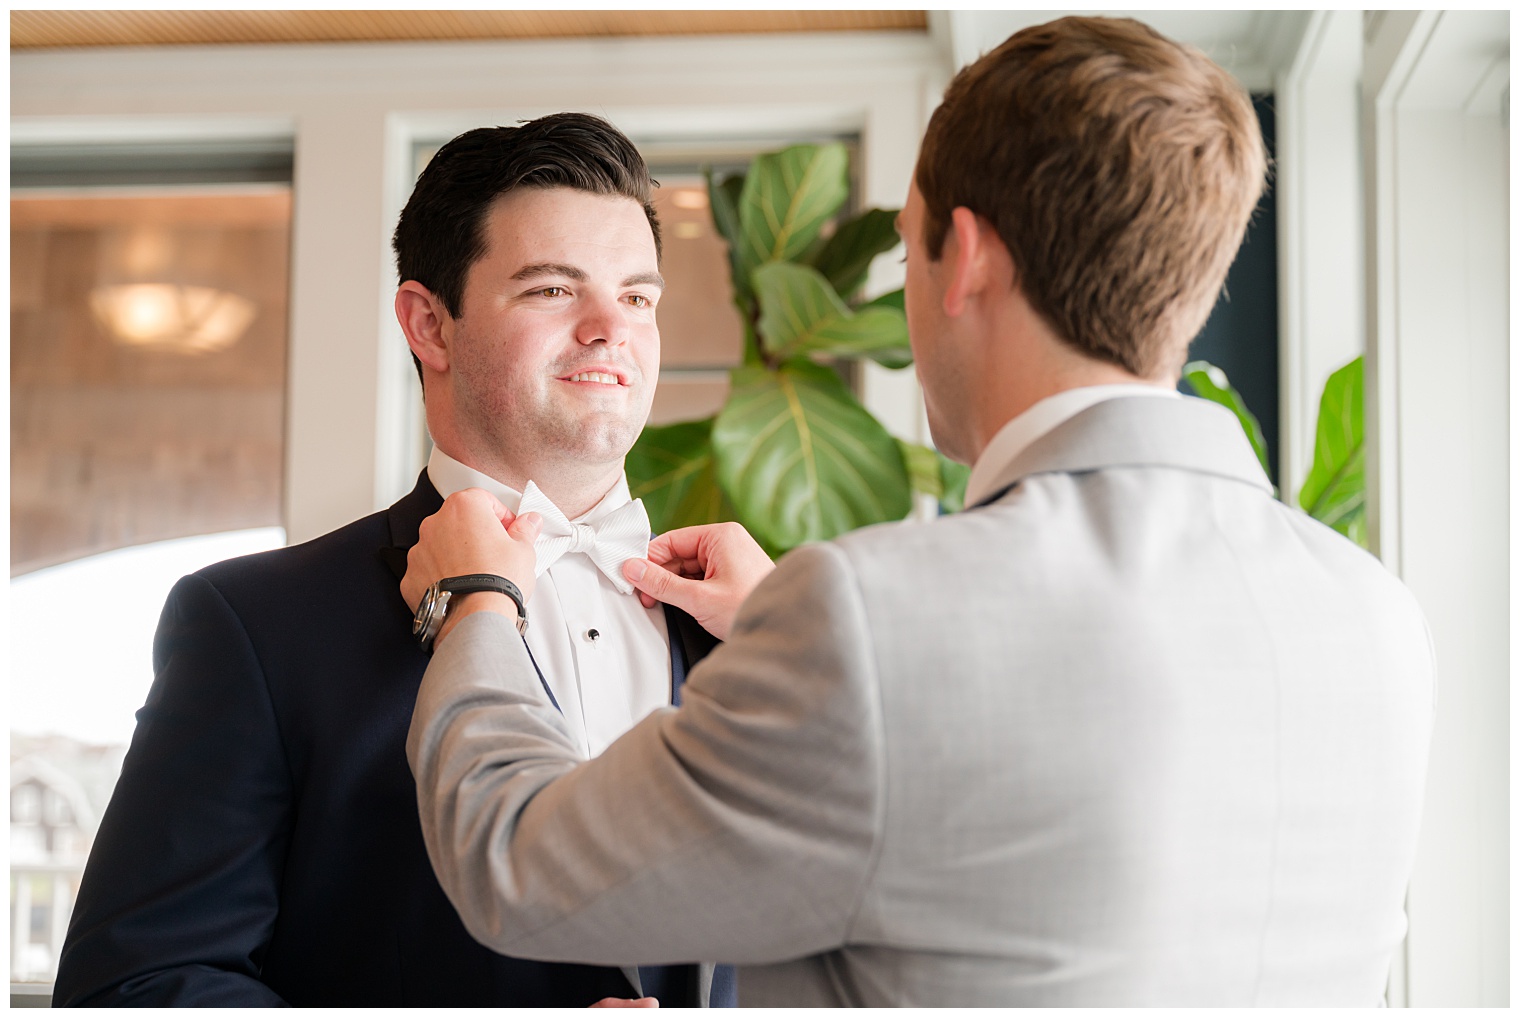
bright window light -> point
(82, 633)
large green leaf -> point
(1335, 492)
(1210, 382)
(891, 357)
(672, 469)
(723, 202)
(923, 468)
(801, 460)
(801, 315)
(953, 476)
(931, 473)
(786, 199)
(846, 257)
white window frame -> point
(1435, 120)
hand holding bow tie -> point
(473, 533)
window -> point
(148, 361)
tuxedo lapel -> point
(405, 521)
(689, 643)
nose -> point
(602, 322)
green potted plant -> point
(792, 455)
(1335, 492)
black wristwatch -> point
(435, 603)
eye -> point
(552, 291)
(638, 300)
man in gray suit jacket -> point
(1126, 731)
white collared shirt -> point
(604, 686)
(1021, 432)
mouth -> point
(597, 376)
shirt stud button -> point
(593, 635)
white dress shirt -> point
(1040, 419)
(604, 685)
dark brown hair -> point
(441, 232)
(1119, 168)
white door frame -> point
(1435, 118)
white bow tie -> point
(610, 541)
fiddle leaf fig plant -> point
(1335, 491)
(800, 314)
(792, 454)
(1210, 382)
(677, 477)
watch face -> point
(429, 617)
(424, 610)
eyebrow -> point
(550, 269)
(646, 279)
(571, 272)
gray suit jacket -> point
(1135, 733)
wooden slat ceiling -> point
(252, 210)
(57, 29)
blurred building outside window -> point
(148, 365)
(76, 685)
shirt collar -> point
(1050, 412)
(449, 475)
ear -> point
(427, 324)
(969, 255)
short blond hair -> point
(1120, 169)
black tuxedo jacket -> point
(262, 845)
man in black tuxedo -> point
(262, 845)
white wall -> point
(352, 417)
(1436, 121)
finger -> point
(644, 599)
(482, 498)
(474, 500)
(623, 1002)
(664, 585)
(526, 527)
(689, 567)
(660, 550)
(686, 542)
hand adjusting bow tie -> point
(610, 541)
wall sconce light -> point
(165, 316)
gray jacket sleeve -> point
(740, 827)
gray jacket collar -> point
(1184, 434)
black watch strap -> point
(475, 583)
